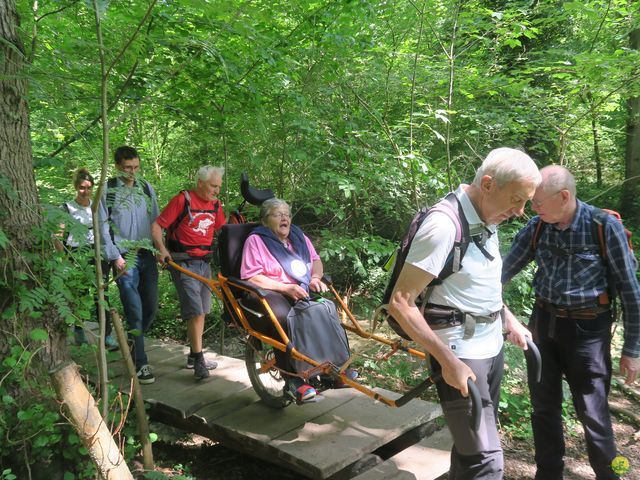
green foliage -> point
(357, 261)
(356, 112)
(515, 404)
(31, 424)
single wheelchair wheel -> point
(266, 380)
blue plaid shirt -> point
(571, 271)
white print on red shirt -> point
(202, 225)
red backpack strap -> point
(599, 218)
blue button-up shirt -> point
(571, 271)
(132, 214)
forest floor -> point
(198, 458)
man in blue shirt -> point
(128, 207)
(572, 317)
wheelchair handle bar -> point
(474, 393)
(532, 350)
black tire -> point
(268, 385)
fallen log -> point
(86, 419)
(627, 389)
(620, 411)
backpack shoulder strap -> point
(186, 211)
(599, 219)
(537, 233)
(112, 183)
(449, 206)
(146, 188)
(452, 207)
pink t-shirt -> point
(257, 260)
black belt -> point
(439, 317)
(181, 257)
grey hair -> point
(507, 165)
(206, 172)
(269, 206)
(556, 178)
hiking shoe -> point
(200, 369)
(111, 343)
(210, 364)
(145, 376)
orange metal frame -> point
(221, 287)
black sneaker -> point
(145, 376)
(210, 364)
(200, 369)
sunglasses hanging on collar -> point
(480, 239)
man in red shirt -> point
(191, 219)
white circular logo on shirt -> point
(298, 268)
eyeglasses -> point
(539, 203)
(280, 215)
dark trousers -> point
(474, 455)
(579, 349)
(280, 306)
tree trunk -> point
(628, 202)
(19, 207)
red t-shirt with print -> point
(197, 230)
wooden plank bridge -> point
(344, 434)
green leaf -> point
(41, 441)
(4, 240)
(24, 415)
(38, 334)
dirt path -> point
(519, 462)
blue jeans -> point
(580, 350)
(139, 296)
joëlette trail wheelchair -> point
(266, 378)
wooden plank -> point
(334, 440)
(427, 460)
(236, 400)
(321, 438)
(342, 428)
(259, 422)
(189, 396)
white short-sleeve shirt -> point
(476, 288)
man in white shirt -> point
(472, 349)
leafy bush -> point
(35, 434)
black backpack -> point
(450, 206)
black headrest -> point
(251, 194)
(230, 244)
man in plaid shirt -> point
(571, 320)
